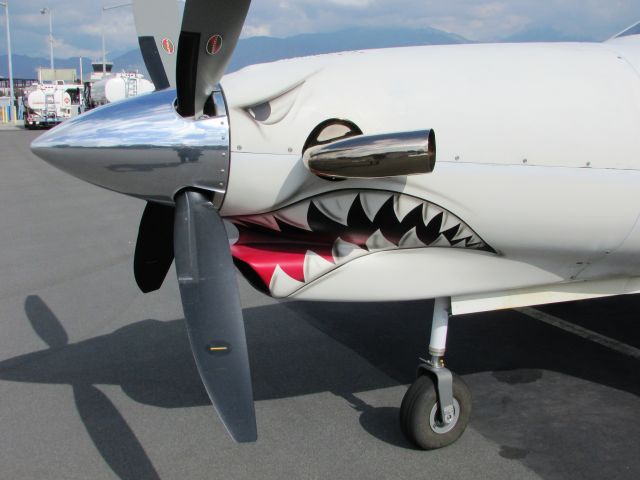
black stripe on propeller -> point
(153, 62)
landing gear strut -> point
(435, 410)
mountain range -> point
(266, 49)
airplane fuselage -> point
(536, 182)
(538, 158)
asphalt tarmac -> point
(97, 380)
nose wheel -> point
(421, 417)
(436, 409)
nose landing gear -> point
(436, 409)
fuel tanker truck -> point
(47, 105)
(118, 87)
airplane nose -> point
(141, 147)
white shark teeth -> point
(267, 220)
(464, 232)
(404, 204)
(233, 234)
(345, 252)
(475, 242)
(372, 202)
(377, 241)
(315, 266)
(448, 222)
(441, 241)
(410, 240)
(295, 215)
(429, 212)
(282, 285)
(337, 206)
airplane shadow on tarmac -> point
(151, 361)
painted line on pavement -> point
(581, 331)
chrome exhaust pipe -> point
(374, 156)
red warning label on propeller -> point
(167, 46)
(214, 44)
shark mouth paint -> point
(282, 251)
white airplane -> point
(318, 177)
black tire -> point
(406, 406)
(418, 407)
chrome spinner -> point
(142, 147)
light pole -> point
(104, 52)
(44, 11)
(6, 7)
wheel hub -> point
(440, 427)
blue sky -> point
(77, 23)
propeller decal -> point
(167, 46)
(214, 44)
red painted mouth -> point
(264, 257)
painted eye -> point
(274, 110)
(260, 113)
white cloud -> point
(251, 30)
(77, 24)
(76, 28)
(352, 3)
(474, 19)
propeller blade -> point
(210, 31)
(158, 26)
(154, 247)
(211, 303)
